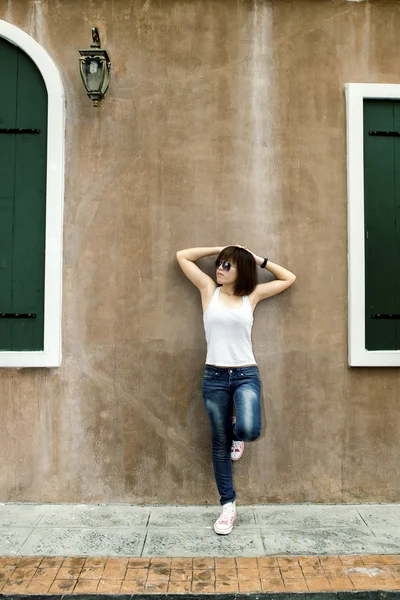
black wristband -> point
(264, 263)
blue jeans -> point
(221, 387)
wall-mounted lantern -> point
(95, 69)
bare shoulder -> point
(207, 293)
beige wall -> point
(224, 123)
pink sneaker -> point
(237, 450)
(224, 524)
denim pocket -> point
(249, 374)
(210, 374)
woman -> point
(231, 377)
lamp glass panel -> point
(93, 71)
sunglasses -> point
(226, 265)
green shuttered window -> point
(382, 223)
(23, 106)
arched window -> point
(373, 172)
(31, 202)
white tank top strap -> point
(214, 298)
(247, 301)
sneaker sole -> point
(223, 532)
(238, 458)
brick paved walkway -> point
(92, 575)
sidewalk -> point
(119, 548)
(183, 531)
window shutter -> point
(23, 147)
(382, 224)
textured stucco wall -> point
(224, 123)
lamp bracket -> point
(95, 38)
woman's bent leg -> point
(247, 399)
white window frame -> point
(358, 356)
(50, 356)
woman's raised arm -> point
(186, 260)
(196, 253)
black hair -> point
(246, 280)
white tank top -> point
(228, 333)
